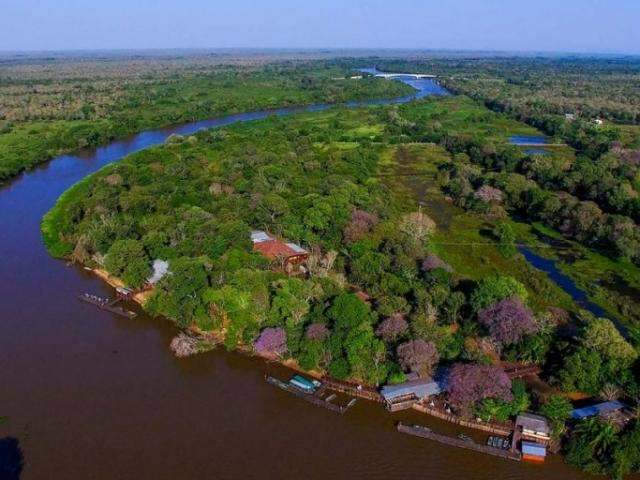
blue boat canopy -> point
(302, 382)
(597, 409)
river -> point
(94, 396)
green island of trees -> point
(411, 215)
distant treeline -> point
(42, 116)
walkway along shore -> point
(486, 427)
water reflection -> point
(528, 140)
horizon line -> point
(318, 50)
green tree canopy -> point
(128, 260)
(495, 288)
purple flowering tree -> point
(392, 328)
(418, 356)
(272, 341)
(361, 223)
(317, 332)
(469, 384)
(508, 320)
(432, 262)
(488, 194)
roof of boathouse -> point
(421, 388)
(533, 422)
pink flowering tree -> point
(317, 332)
(418, 356)
(469, 384)
(508, 320)
(488, 194)
(272, 341)
(361, 223)
(392, 328)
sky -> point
(582, 26)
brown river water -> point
(93, 396)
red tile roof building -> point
(273, 249)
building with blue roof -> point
(603, 408)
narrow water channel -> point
(93, 396)
(563, 281)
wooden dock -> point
(106, 304)
(316, 398)
(496, 429)
(352, 389)
(423, 432)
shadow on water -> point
(11, 459)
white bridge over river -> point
(413, 75)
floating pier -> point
(106, 304)
(315, 397)
(469, 444)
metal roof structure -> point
(273, 248)
(296, 248)
(160, 269)
(258, 236)
(533, 422)
(597, 409)
(421, 388)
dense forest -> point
(588, 87)
(388, 293)
(49, 108)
